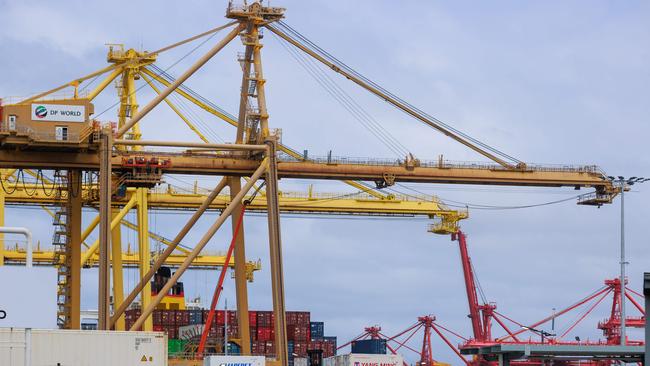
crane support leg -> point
(74, 225)
(241, 283)
(118, 273)
(275, 250)
(104, 227)
(145, 252)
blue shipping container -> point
(196, 316)
(317, 329)
(370, 346)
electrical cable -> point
(301, 39)
(345, 100)
(166, 69)
(489, 207)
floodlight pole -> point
(622, 304)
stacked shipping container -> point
(302, 333)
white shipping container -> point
(358, 359)
(234, 361)
(300, 361)
(47, 347)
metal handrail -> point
(445, 164)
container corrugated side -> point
(354, 359)
(234, 361)
(83, 347)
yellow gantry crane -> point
(32, 138)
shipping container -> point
(353, 359)
(317, 329)
(301, 361)
(82, 347)
(195, 316)
(234, 361)
(252, 319)
(298, 333)
(175, 347)
(369, 346)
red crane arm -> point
(564, 311)
(470, 286)
(217, 290)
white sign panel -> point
(58, 112)
(28, 298)
(234, 361)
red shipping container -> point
(233, 331)
(291, 317)
(167, 317)
(232, 317)
(181, 317)
(157, 317)
(264, 334)
(298, 333)
(258, 348)
(269, 348)
(300, 348)
(252, 319)
(219, 317)
(303, 318)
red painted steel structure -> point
(217, 290)
(428, 325)
(481, 316)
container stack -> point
(303, 335)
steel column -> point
(261, 95)
(241, 285)
(75, 201)
(2, 223)
(105, 185)
(145, 252)
(275, 250)
(118, 272)
(646, 292)
(241, 282)
(623, 263)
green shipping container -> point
(175, 346)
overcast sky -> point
(547, 82)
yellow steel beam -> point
(104, 83)
(448, 173)
(17, 256)
(290, 202)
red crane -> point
(400, 340)
(482, 314)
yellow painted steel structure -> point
(24, 150)
(16, 255)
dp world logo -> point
(40, 111)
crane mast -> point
(480, 314)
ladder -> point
(61, 244)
